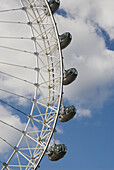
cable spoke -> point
(6, 141)
(15, 49)
(13, 22)
(15, 94)
(15, 65)
(10, 10)
(10, 126)
(13, 107)
(16, 77)
(16, 38)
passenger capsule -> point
(57, 152)
(54, 5)
(67, 113)
(69, 76)
(65, 39)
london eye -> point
(32, 78)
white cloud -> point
(87, 53)
(9, 134)
(83, 113)
(98, 11)
(59, 129)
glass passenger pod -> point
(69, 76)
(65, 39)
(54, 5)
(57, 152)
(67, 113)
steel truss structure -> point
(31, 75)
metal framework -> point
(31, 74)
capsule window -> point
(51, 1)
(57, 1)
(70, 36)
(56, 150)
(69, 72)
(66, 109)
(72, 107)
(63, 36)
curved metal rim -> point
(61, 59)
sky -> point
(89, 137)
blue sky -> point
(89, 137)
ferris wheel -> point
(32, 75)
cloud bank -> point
(88, 52)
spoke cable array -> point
(41, 120)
